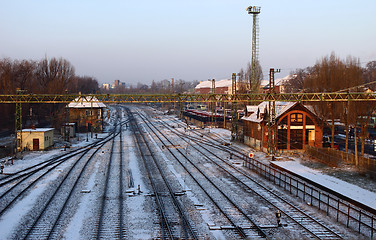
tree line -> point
(332, 74)
(47, 76)
(156, 87)
(57, 76)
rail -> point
(348, 211)
(157, 132)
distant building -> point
(88, 115)
(221, 87)
(36, 139)
(225, 86)
(116, 84)
(278, 82)
(106, 86)
(296, 126)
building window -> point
(296, 118)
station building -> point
(87, 115)
(36, 139)
(296, 126)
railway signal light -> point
(278, 216)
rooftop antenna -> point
(255, 11)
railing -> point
(353, 214)
(335, 157)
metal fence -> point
(353, 214)
(335, 157)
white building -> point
(36, 139)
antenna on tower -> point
(255, 11)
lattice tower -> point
(255, 11)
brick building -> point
(221, 87)
(296, 126)
(87, 115)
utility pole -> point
(213, 103)
(66, 125)
(234, 110)
(91, 117)
(172, 91)
(272, 130)
(18, 122)
(180, 102)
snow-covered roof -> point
(251, 108)
(37, 130)
(280, 108)
(90, 102)
(218, 84)
(277, 81)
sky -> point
(142, 41)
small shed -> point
(69, 129)
(87, 113)
(35, 139)
(296, 126)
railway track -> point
(47, 219)
(45, 223)
(109, 224)
(238, 218)
(190, 187)
(169, 207)
(349, 212)
(296, 216)
(15, 185)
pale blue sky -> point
(138, 41)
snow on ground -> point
(10, 220)
(347, 189)
(76, 224)
(139, 209)
(137, 204)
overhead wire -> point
(362, 85)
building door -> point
(35, 144)
(310, 137)
(282, 138)
(296, 139)
(296, 131)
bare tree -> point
(54, 75)
(369, 74)
(84, 85)
(254, 84)
(332, 74)
(296, 83)
(6, 77)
